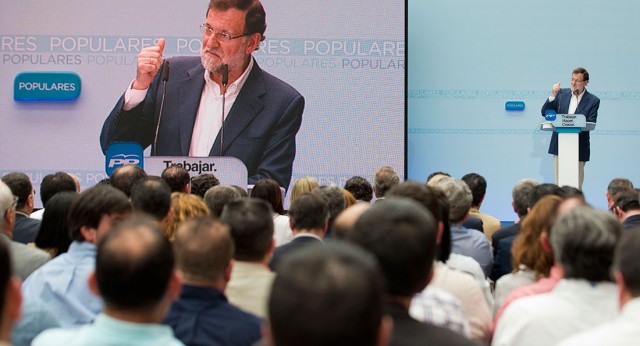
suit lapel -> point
(246, 107)
(583, 103)
(566, 99)
(190, 94)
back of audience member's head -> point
(124, 177)
(92, 205)
(203, 182)
(545, 189)
(20, 186)
(569, 191)
(241, 190)
(343, 225)
(583, 241)
(527, 248)
(218, 196)
(309, 212)
(434, 200)
(521, 193)
(626, 264)
(184, 206)
(384, 179)
(401, 234)
(360, 188)
(335, 200)
(459, 198)
(10, 297)
(327, 295)
(349, 200)
(269, 190)
(54, 183)
(177, 177)
(54, 228)
(134, 265)
(478, 186)
(152, 196)
(627, 200)
(250, 221)
(435, 177)
(618, 185)
(6, 205)
(204, 249)
(303, 185)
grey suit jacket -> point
(25, 259)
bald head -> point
(347, 219)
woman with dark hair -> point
(269, 190)
(53, 236)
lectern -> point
(568, 127)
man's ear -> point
(30, 200)
(92, 281)
(175, 285)
(254, 43)
(89, 234)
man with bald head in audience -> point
(135, 277)
(178, 178)
(124, 177)
(202, 315)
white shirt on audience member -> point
(545, 319)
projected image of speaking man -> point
(262, 114)
(574, 100)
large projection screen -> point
(468, 58)
(346, 58)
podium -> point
(568, 127)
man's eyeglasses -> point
(221, 36)
(577, 81)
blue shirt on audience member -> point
(203, 316)
(474, 244)
(61, 286)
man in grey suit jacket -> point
(574, 100)
(262, 114)
(25, 259)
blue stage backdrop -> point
(468, 58)
(346, 58)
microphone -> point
(165, 79)
(225, 81)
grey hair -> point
(6, 200)
(583, 241)
(459, 197)
(385, 179)
(521, 194)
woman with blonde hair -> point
(184, 206)
(301, 186)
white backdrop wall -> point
(346, 58)
(468, 58)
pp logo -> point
(550, 115)
(123, 153)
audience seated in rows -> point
(478, 186)
(626, 207)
